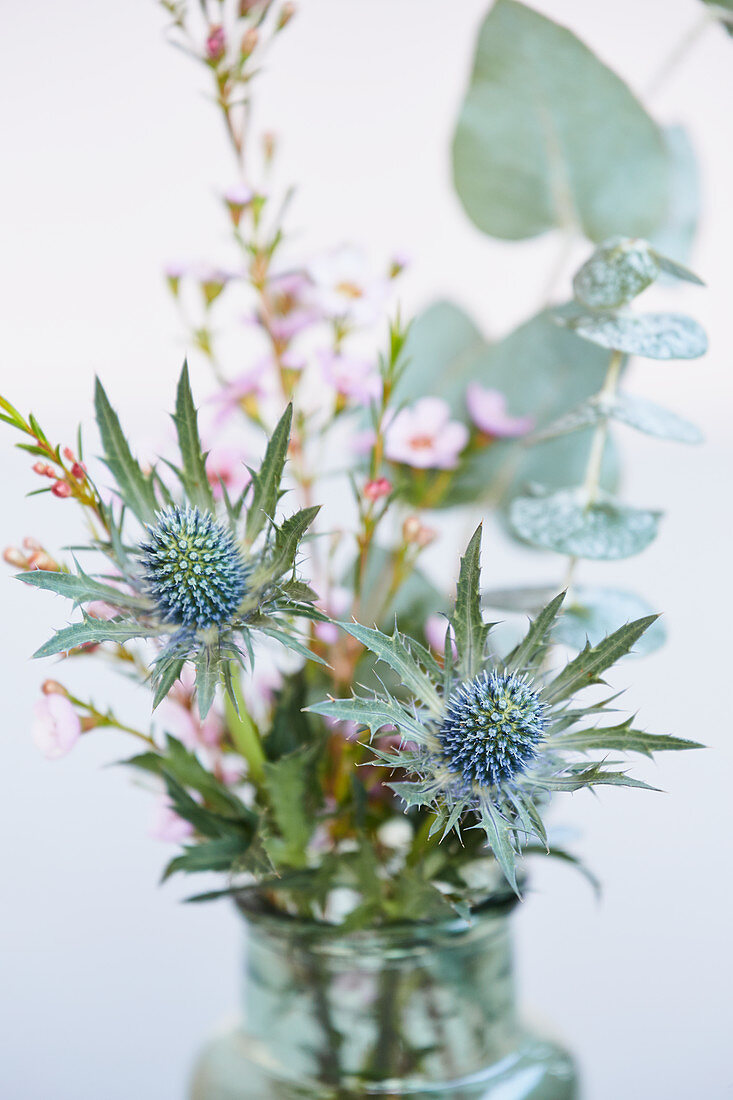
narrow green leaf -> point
(394, 652)
(135, 488)
(372, 713)
(208, 674)
(499, 838)
(80, 588)
(586, 668)
(93, 631)
(266, 481)
(531, 650)
(469, 628)
(624, 738)
(194, 477)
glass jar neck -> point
(422, 1003)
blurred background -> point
(112, 160)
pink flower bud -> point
(53, 687)
(61, 489)
(14, 557)
(30, 543)
(56, 726)
(249, 42)
(79, 471)
(69, 454)
(216, 43)
(286, 14)
(375, 490)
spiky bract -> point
(193, 569)
(492, 728)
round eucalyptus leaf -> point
(520, 599)
(677, 271)
(652, 335)
(593, 613)
(652, 419)
(616, 273)
(603, 531)
(528, 152)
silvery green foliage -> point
(636, 412)
(651, 335)
(196, 584)
(602, 530)
(525, 733)
(583, 521)
(619, 270)
(549, 137)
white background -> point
(111, 160)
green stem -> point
(244, 733)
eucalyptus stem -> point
(592, 482)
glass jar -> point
(421, 1011)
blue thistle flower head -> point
(491, 729)
(193, 569)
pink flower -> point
(375, 490)
(168, 826)
(290, 310)
(216, 43)
(354, 378)
(424, 436)
(487, 409)
(56, 726)
(98, 609)
(335, 604)
(247, 384)
(184, 723)
(344, 288)
(436, 627)
(226, 464)
(362, 442)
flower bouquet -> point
(359, 753)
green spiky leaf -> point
(135, 487)
(193, 475)
(266, 481)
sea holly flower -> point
(56, 725)
(424, 436)
(488, 411)
(196, 584)
(487, 738)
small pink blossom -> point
(351, 377)
(424, 436)
(487, 409)
(362, 442)
(226, 465)
(345, 289)
(168, 826)
(290, 309)
(98, 609)
(185, 724)
(375, 490)
(216, 43)
(56, 725)
(239, 194)
(335, 604)
(250, 383)
(436, 627)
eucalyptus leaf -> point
(617, 272)
(603, 531)
(652, 335)
(541, 368)
(592, 613)
(676, 234)
(653, 420)
(636, 412)
(548, 136)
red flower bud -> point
(61, 489)
(216, 43)
(375, 490)
(78, 471)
